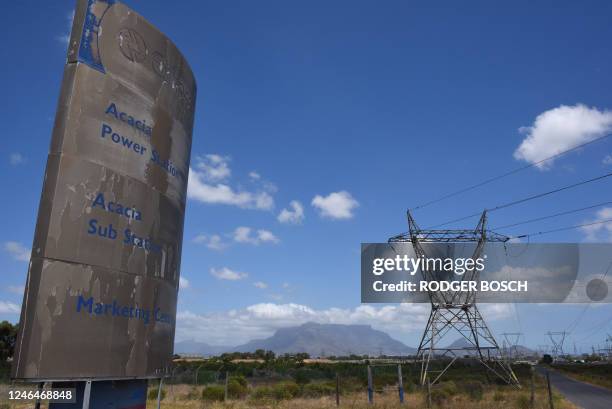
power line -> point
(578, 320)
(528, 198)
(551, 216)
(561, 229)
(512, 172)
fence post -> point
(532, 400)
(400, 383)
(550, 396)
(196, 375)
(370, 386)
(337, 390)
(159, 392)
(171, 381)
(226, 382)
(87, 395)
(40, 388)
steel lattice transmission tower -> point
(511, 342)
(557, 339)
(456, 310)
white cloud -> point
(260, 284)
(16, 289)
(227, 274)
(559, 129)
(266, 236)
(213, 242)
(247, 235)
(16, 159)
(183, 283)
(7, 307)
(220, 193)
(213, 167)
(262, 320)
(17, 250)
(64, 38)
(295, 215)
(602, 231)
(336, 205)
(607, 160)
(254, 175)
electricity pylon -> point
(512, 340)
(456, 310)
(557, 339)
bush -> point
(152, 394)
(240, 379)
(214, 393)
(317, 390)
(262, 393)
(474, 390)
(449, 387)
(286, 390)
(235, 389)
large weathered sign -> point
(100, 299)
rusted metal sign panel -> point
(100, 299)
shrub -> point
(240, 379)
(262, 393)
(286, 390)
(152, 394)
(317, 390)
(214, 393)
(235, 389)
(450, 388)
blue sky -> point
(355, 110)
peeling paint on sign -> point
(100, 297)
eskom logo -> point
(132, 45)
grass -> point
(596, 374)
(494, 397)
(463, 388)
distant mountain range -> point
(319, 340)
(315, 339)
(199, 348)
(462, 342)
